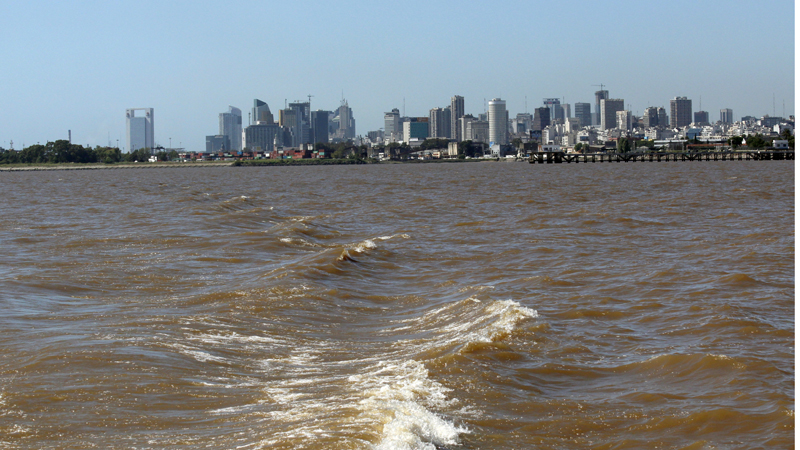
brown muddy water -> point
(458, 306)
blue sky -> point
(78, 65)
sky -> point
(79, 65)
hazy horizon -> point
(78, 66)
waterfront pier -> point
(744, 155)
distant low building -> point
(217, 143)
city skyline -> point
(376, 63)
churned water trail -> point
(429, 306)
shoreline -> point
(207, 164)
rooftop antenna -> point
(526, 104)
(404, 107)
(773, 104)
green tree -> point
(756, 141)
(736, 141)
(623, 145)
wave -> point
(400, 395)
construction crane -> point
(601, 85)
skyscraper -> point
(680, 112)
(456, 112)
(498, 122)
(624, 120)
(541, 118)
(726, 115)
(598, 97)
(139, 130)
(261, 113)
(303, 112)
(391, 125)
(556, 112)
(289, 121)
(230, 125)
(608, 112)
(701, 117)
(439, 120)
(347, 124)
(650, 117)
(319, 126)
(663, 119)
(584, 113)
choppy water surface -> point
(459, 306)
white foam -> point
(399, 395)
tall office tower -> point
(463, 124)
(319, 126)
(524, 123)
(567, 111)
(391, 125)
(701, 117)
(680, 112)
(556, 112)
(139, 130)
(650, 117)
(498, 122)
(347, 124)
(584, 113)
(261, 113)
(624, 120)
(289, 120)
(541, 118)
(456, 112)
(726, 115)
(608, 112)
(439, 119)
(447, 122)
(230, 125)
(598, 97)
(663, 119)
(303, 112)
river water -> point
(399, 306)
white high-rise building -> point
(498, 122)
(139, 130)
(230, 124)
(456, 113)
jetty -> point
(743, 155)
